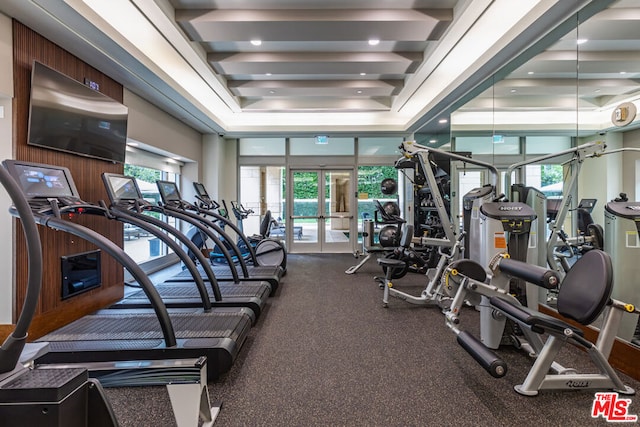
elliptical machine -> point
(267, 251)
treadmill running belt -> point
(144, 326)
(128, 335)
(171, 290)
(252, 295)
(223, 274)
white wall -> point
(220, 174)
(601, 178)
(630, 174)
(6, 152)
(152, 126)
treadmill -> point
(125, 335)
(174, 205)
(128, 205)
(48, 395)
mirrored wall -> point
(578, 85)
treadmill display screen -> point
(122, 188)
(38, 181)
(202, 192)
(168, 191)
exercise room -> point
(319, 213)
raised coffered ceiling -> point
(315, 70)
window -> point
(369, 180)
(262, 188)
(138, 244)
(547, 144)
(379, 146)
(491, 144)
(262, 147)
(314, 147)
(547, 178)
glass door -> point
(322, 212)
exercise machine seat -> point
(584, 220)
(584, 292)
(265, 224)
(469, 268)
(407, 236)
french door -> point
(322, 211)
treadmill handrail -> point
(183, 239)
(234, 227)
(177, 249)
(13, 345)
(102, 210)
(125, 260)
(196, 215)
(206, 226)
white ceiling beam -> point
(302, 88)
(314, 63)
(324, 104)
(314, 25)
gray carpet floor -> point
(326, 353)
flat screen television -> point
(68, 116)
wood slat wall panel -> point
(53, 313)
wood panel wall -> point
(29, 46)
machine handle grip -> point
(535, 274)
(495, 366)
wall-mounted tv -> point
(69, 116)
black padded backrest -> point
(265, 224)
(584, 220)
(407, 236)
(197, 239)
(586, 289)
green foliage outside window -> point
(550, 174)
(305, 185)
(370, 177)
(142, 173)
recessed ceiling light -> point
(581, 41)
(358, 91)
(363, 74)
(256, 42)
(374, 42)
